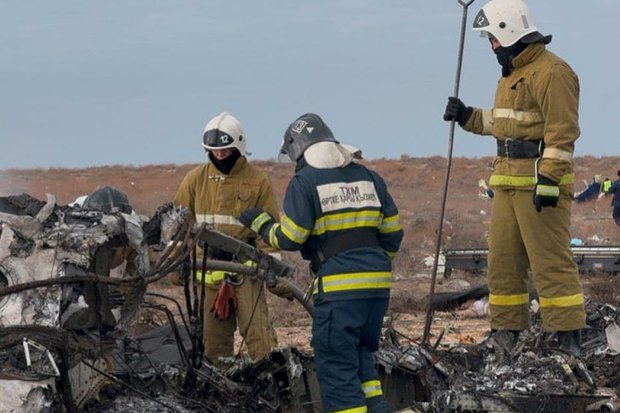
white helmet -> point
(222, 132)
(508, 21)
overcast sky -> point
(98, 82)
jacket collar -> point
(528, 55)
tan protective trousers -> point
(218, 335)
(521, 238)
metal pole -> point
(457, 82)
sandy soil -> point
(415, 184)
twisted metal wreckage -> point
(67, 341)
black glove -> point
(255, 218)
(546, 193)
(457, 111)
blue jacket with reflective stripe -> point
(323, 203)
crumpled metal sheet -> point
(41, 241)
(612, 333)
(25, 396)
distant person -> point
(535, 123)
(606, 185)
(216, 193)
(614, 189)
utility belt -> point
(519, 148)
(351, 239)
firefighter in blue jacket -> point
(344, 221)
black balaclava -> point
(226, 165)
(505, 55)
(301, 164)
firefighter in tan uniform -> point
(535, 123)
(216, 193)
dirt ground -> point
(415, 184)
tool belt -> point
(351, 239)
(519, 148)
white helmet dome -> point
(506, 20)
(222, 132)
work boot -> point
(570, 342)
(503, 343)
(508, 334)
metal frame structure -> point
(593, 258)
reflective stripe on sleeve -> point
(259, 221)
(548, 190)
(390, 224)
(487, 121)
(553, 153)
(372, 388)
(518, 115)
(566, 301)
(273, 239)
(293, 231)
(505, 300)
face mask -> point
(505, 55)
(225, 165)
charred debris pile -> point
(507, 374)
(73, 281)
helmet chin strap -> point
(505, 55)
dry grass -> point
(415, 184)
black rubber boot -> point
(514, 334)
(570, 342)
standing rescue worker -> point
(535, 123)
(615, 202)
(344, 221)
(216, 193)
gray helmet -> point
(305, 131)
(107, 198)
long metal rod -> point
(457, 83)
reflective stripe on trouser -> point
(345, 333)
(520, 238)
(218, 337)
(212, 278)
(215, 277)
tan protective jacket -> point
(218, 199)
(538, 100)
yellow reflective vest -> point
(539, 100)
(218, 199)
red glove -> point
(225, 302)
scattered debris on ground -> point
(69, 342)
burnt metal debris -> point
(591, 258)
(504, 374)
(68, 340)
